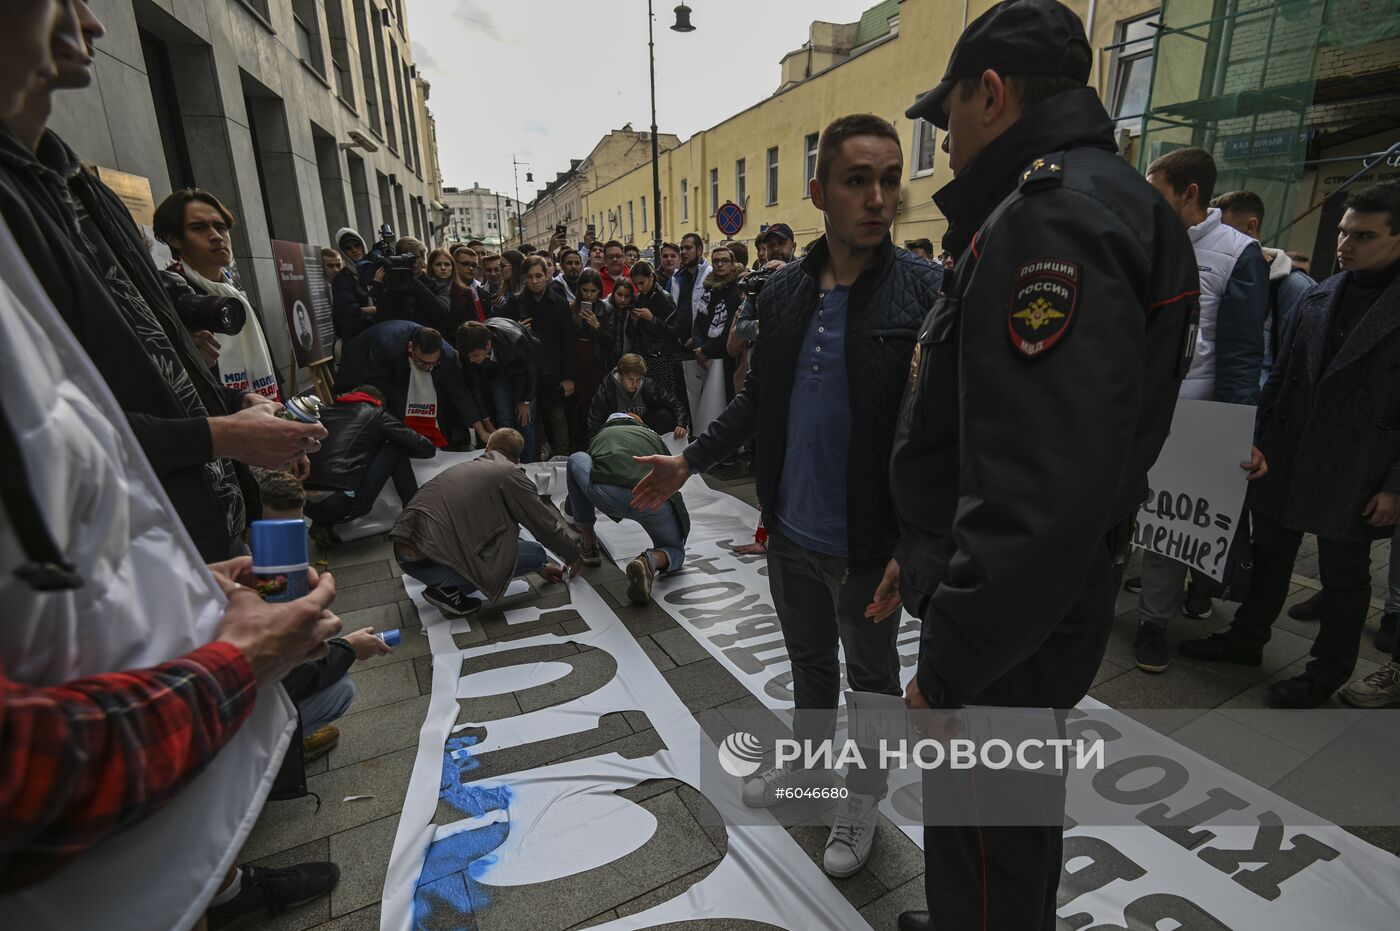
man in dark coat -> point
(385, 356)
(88, 255)
(821, 402)
(1043, 388)
(1327, 460)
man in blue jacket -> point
(821, 403)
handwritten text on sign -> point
(1196, 488)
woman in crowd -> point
(552, 323)
(512, 280)
(619, 326)
(589, 349)
(439, 276)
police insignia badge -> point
(1044, 295)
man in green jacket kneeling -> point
(602, 479)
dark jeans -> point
(391, 462)
(1345, 567)
(503, 400)
(821, 602)
(554, 410)
(999, 875)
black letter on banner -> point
(1174, 778)
(1080, 725)
(691, 594)
(1147, 911)
(1107, 863)
(1278, 864)
(1179, 828)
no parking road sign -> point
(729, 218)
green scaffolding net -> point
(1258, 84)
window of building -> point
(714, 190)
(362, 34)
(340, 51)
(772, 193)
(631, 222)
(644, 214)
(925, 144)
(741, 188)
(809, 146)
(308, 25)
(386, 96)
(1132, 71)
(260, 8)
(685, 200)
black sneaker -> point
(451, 601)
(1385, 637)
(588, 552)
(1308, 610)
(268, 891)
(1151, 648)
(1133, 585)
(1301, 692)
(1197, 605)
(1222, 648)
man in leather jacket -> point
(1043, 387)
(820, 403)
(503, 363)
(367, 447)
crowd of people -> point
(971, 446)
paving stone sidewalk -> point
(379, 739)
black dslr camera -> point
(399, 274)
(226, 315)
(754, 282)
(385, 246)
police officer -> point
(1041, 391)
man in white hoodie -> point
(1226, 367)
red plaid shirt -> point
(86, 759)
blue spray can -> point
(390, 637)
(280, 561)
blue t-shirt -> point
(811, 505)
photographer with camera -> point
(400, 291)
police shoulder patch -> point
(1044, 295)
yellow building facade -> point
(762, 157)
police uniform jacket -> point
(1043, 387)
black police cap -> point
(1031, 37)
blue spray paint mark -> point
(447, 893)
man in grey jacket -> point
(460, 536)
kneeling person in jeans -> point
(602, 480)
(460, 536)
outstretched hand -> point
(667, 475)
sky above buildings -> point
(544, 80)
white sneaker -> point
(760, 791)
(1377, 690)
(848, 845)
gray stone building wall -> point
(257, 101)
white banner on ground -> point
(706, 392)
(467, 846)
(1196, 488)
(1205, 878)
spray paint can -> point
(303, 409)
(390, 637)
(279, 559)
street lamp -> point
(682, 24)
(529, 179)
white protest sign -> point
(1196, 488)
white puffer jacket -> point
(1218, 248)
